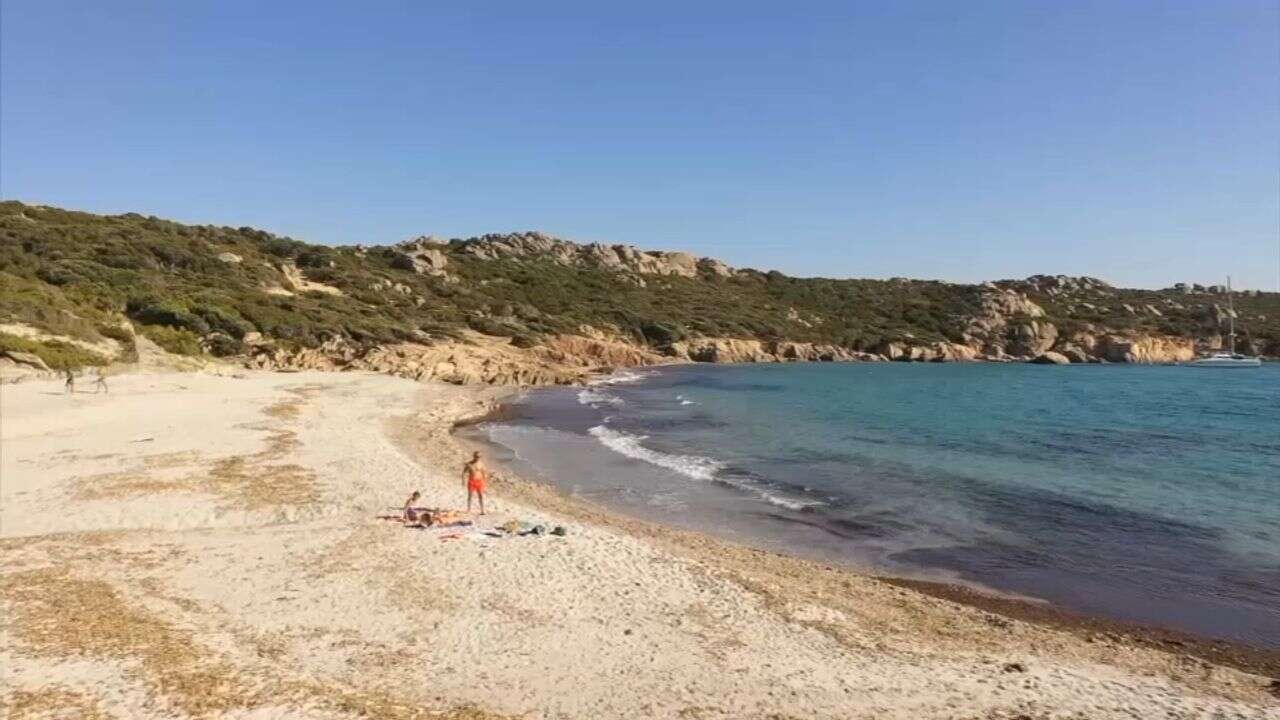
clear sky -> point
(1134, 141)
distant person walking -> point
(71, 381)
(474, 475)
(101, 382)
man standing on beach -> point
(474, 475)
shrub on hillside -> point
(661, 334)
(56, 354)
(524, 340)
(178, 342)
(128, 342)
(169, 313)
(222, 345)
(491, 327)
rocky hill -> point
(81, 289)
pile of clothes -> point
(522, 529)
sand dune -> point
(201, 546)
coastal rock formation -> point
(1051, 358)
(989, 331)
(1148, 349)
(1098, 345)
(1031, 338)
(721, 350)
(595, 255)
(582, 351)
(735, 350)
(928, 352)
(1074, 353)
(475, 359)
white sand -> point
(172, 550)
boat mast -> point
(1231, 314)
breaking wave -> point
(596, 398)
(696, 467)
(621, 377)
(692, 466)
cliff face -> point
(1133, 349)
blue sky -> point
(1138, 142)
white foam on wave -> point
(692, 466)
(787, 502)
(621, 377)
(754, 488)
(596, 398)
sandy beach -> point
(201, 545)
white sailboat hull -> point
(1226, 362)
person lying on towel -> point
(412, 514)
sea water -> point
(1142, 493)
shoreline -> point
(196, 546)
(1089, 627)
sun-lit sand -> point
(195, 545)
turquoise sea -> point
(1149, 494)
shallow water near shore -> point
(1149, 494)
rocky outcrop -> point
(1075, 354)
(608, 257)
(583, 351)
(1053, 285)
(1097, 345)
(711, 266)
(736, 350)
(721, 350)
(953, 352)
(1030, 338)
(815, 352)
(989, 332)
(927, 352)
(476, 359)
(293, 281)
(424, 255)
(1149, 349)
(1050, 358)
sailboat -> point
(1230, 358)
